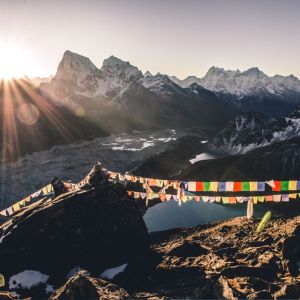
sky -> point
(175, 37)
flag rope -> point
(207, 191)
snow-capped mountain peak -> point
(147, 73)
(252, 82)
(115, 67)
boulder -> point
(188, 249)
(95, 228)
(291, 251)
(82, 286)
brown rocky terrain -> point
(101, 227)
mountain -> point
(121, 98)
(92, 243)
(249, 131)
(38, 80)
(277, 161)
(251, 90)
(33, 122)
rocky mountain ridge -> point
(93, 244)
(250, 131)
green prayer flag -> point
(206, 186)
(245, 186)
(284, 185)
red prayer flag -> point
(277, 186)
(237, 186)
(199, 186)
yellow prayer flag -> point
(292, 185)
(225, 200)
(136, 195)
(16, 207)
(2, 281)
(214, 186)
(253, 186)
(254, 200)
(44, 190)
(293, 196)
(261, 198)
(218, 199)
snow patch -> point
(202, 156)
(27, 279)
(73, 271)
(112, 272)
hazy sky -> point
(179, 38)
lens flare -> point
(28, 114)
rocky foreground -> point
(77, 240)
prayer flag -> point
(160, 183)
(271, 183)
(284, 185)
(10, 210)
(197, 198)
(253, 186)
(298, 185)
(136, 195)
(260, 198)
(152, 182)
(240, 199)
(292, 185)
(225, 200)
(245, 186)
(232, 200)
(229, 186)
(168, 197)
(205, 198)
(206, 186)
(3, 213)
(285, 198)
(214, 186)
(192, 186)
(277, 186)
(261, 186)
(199, 186)
(254, 200)
(237, 187)
(269, 198)
(162, 197)
(293, 196)
(222, 186)
(212, 199)
(143, 195)
(276, 198)
(16, 207)
(218, 199)
(2, 281)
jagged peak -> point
(116, 66)
(221, 71)
(73, 63)
(70, 56)
(147, 74)
(254, 71)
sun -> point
(15, 61)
